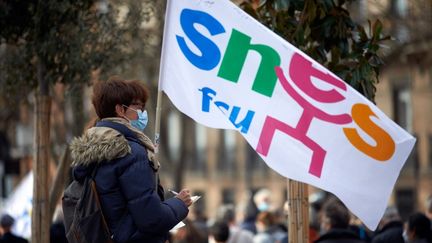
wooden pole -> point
(40, 213)
(298, 212)
(305, 210)
(292, 215)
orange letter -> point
(385, 146)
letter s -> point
(210, 53)
(385, 146)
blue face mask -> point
(142, 120)
(262, 207)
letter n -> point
(235, 57)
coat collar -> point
(98, 144)
(107, 141)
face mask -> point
(262, 207)
(142, 120)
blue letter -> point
(210, 54)
(205, 106)
(222, 105)
(246, 121)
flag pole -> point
(298, 212)
(157, 122)
(159, 93)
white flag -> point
(226, 70)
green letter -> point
(235, 57)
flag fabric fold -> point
(226, 70)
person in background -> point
(219, 232)
(418, 229)
(57, 228)
(390, 228)
(429, 208)
(262, 200)
(226, 213)
(285, 209)
(126, 178)
(316, 202)
(267, 230)
(189, 234)
(335, 220)
(250, 213)
(281, 218)
(360, 229)
(199, 220)
(6, 223)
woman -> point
(126, 179)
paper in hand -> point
(178, 226)
(195, 198)
(181, 224)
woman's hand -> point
(185, 196)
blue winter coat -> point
(126, 183)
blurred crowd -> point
(260, 221)
(330, 221)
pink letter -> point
(308, 107)
(299, 133)
(301, 72)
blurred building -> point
(223, 168)
(405, 94)
(405, 89)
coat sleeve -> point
(148, 212)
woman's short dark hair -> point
(117, 91)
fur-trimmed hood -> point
(103, 143)
(98, 144)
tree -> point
(325, 31)
(48, 42)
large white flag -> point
(226, 70)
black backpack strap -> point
(94, 170)
(92, 185)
